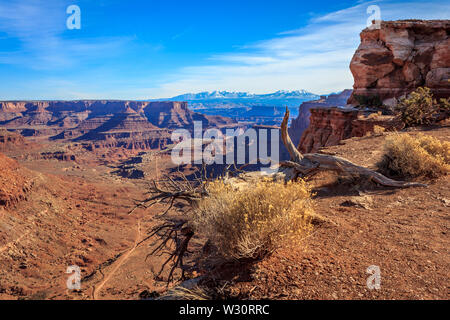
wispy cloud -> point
(39, 26)
(315, 57)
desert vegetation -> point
(410, 157)
(420, 108)
(254, 221)
(245, 216)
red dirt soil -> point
(77, 213)
(404, 232)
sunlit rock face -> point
(301, 123)
(400, 56)
(330, 125)
(130, 124)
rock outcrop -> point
(15, 182)
(329, 125)
(400, 56)
(301, 123)
(390, 62)
(10, 139)
(68, 114)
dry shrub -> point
(378, 129)
(412, 157)
(180, 293)
(374, 115)
(420, 108)
(252, 222)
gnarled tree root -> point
(304, 165)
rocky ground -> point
(56, 212)
(404, 232)
(70, 212)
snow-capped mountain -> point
(247, 107)
(233, 99)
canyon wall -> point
(330, 125)
(129, 124)
(301, 123)
(8, 139)
(390, 62)
(163, 114)
(327, 127)
(14, 182)
(400, 56)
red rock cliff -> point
(400, 56)
(329, 125)
(301, 123)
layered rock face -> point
(390, 62)
(131, 124)
(14, 182)
(301, 123)
(9, 139)
(330, 125)
(173, 114)
(327, 127)
(400, 56)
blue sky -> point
(156, 49)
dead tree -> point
(303, 165)
(173, 234)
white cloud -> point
(315, 57)
(38, 25)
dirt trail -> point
(6, 246)
(16, 241)
(117, 264)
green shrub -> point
(420, 108)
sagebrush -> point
(419, 108)
(415, 156)
(253, 221)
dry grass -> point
(374, 115)
(413, 157)
(180, 293)
(254, 221)
(378, 129)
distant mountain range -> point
(220, 99)
(247, 107)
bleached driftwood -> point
(303, 165)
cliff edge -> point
(400, 56)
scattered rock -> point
(364, 202)
(144, 295)
(101, 241)
(445, 201)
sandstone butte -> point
(391, 61)
(400, 56)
